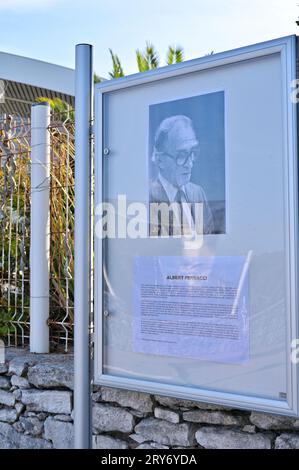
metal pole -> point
(83, 116)
(40, 228)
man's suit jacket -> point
(194, 194)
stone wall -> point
(36, 411)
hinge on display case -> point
(91, 131)
(91, 346)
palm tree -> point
(117, 71)
(148, 59)
(175, 54)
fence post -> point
(40, 228)
(83, 116)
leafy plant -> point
(174, 55)
(148, 59)
(117, 71)
(58, 107)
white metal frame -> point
(286, 47)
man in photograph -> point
(175, 150)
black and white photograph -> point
(187, 158)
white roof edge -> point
(37, 73)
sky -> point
(49, 29)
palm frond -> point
(170, 55)
(179, 55)
(151, 56)
(147, 59)
(117, 71)
(175, 54)
(142, 64)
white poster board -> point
(210, 318)
(192, 307)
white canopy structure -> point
(24, 80)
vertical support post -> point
(40, 228)
(83, 117)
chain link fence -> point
(15, 165)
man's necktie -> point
(180, 196)
(187, 222)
